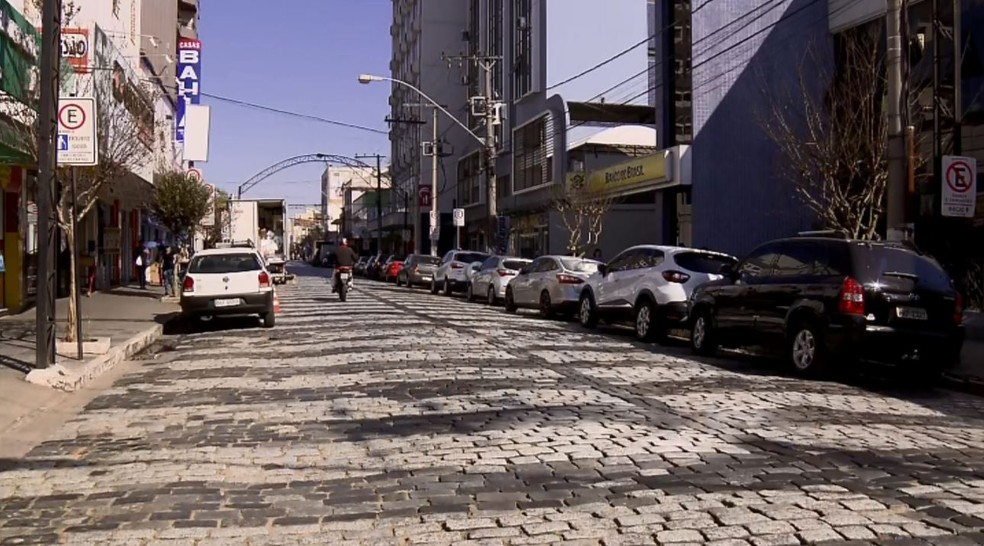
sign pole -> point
(75, 257)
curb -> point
(964, 384)
(69, 376)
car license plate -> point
(911, 313)
(227, 302)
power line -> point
(309, 117)
(624, 52)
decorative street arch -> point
(298, 160)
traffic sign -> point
(959, 186)
(77, 143)
(424, 196)
(195, 175)
(459, 217)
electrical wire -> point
(624, 52)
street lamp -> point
(366, 79)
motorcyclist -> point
(343, 256)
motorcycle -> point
(343, 281)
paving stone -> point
(430, 420)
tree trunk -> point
(71, 325)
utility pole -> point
(435, 215)
(379, 199)
(957, 79)
(896, 137)
(489, 110)
(47, 159)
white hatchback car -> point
(550, 284)
(455, 271)
(492, 277)
(228, 281)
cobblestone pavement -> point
(406, 418)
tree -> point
(582, 214)
(125, 135)
(180, 202)
(833, 141)
(213, 234)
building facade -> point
(129, 70)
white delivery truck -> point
(261, 222)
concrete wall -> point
(735, 166)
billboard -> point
(188, 80)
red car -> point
(391, 268)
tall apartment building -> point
(337, 181)
(422, 32)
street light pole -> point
(47, 160)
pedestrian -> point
(142, 262)
(167, 265)
(597, 255)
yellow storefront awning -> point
(636, 175)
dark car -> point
(417, 270)
(829, 300)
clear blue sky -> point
(298, 55)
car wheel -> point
(587, 315)
(433, 286)
(490, 296)
(510, 303)
(647, 327)
(806, 350)
(447, 287)
(546, 307)
(470, 294)
(702, 336)
(269, 319)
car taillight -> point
(958, 310)
(851, 300)
(455, 265)
(504, 272)
(676, 276)
(569, 279)
(188, 285)
(264, 279)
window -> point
(899, 269)
(547, 265)
(798, 259)
(681, 54)
(649, 257)
(469, 257)
(701, 262)
(622, 261)
(470, 180)
(224, 263)
(531, 145)
(579, 265)
(523, 47)
(491, 263)
(474, 71)
(503, 186)
(759, 262)
(515, 265)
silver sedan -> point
(492, 277)
(550, 284)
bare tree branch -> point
(831, 132)
(582, 214)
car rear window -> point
(224, 263)
(515, 264)
(581, 266)
(703, 262)
(428, 260)
(469, 257)
(899, 268)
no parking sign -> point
(959, 186)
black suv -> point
(826, 299)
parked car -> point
(649, 285)
(492, 277)
(391, 268)
(375, 266)
(360, 266)
(227, 281)
(826, 300)
(417, 270)
(551, 284)
(452, 275)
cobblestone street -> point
(401, 417)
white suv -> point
(228, 281)
(455, 271)
(649, 285)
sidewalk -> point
(971, 368)
(130, 317)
